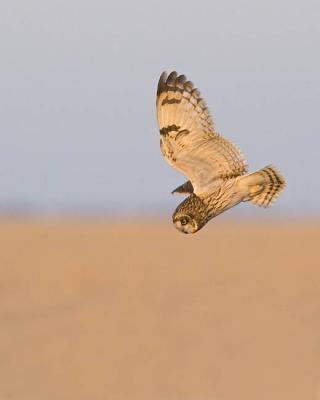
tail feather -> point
(264, 186)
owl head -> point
(190, 215)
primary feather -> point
(188, 139)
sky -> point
(78, 129)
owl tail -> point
(263, 186)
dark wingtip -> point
(172, 78)
(186, 188)
(181, 79)
(162, 83)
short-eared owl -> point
(214, 166)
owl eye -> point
(184, 221)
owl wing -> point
(188, 140)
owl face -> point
(185, 223)
(190, 215)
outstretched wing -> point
(188, 140)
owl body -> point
(223, 196)
(215, 167)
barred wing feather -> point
(188, 139)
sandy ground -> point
(124, 311)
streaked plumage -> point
(214, 166)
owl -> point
(215, 168)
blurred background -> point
(78, 81)
(100, 298)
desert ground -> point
(98, 309)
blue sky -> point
(77, 103)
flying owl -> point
(215, 168)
